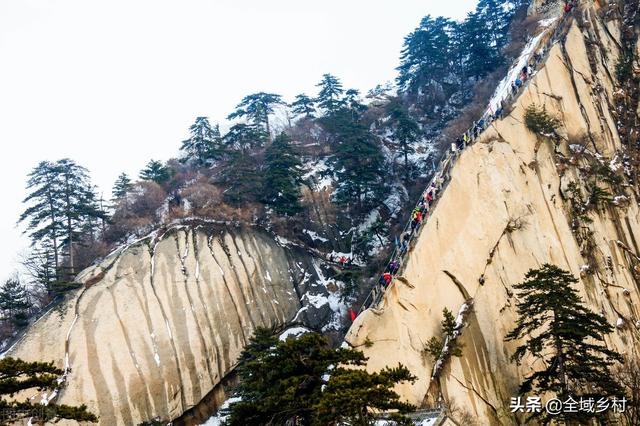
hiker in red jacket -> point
(387, 277)
(353, 314)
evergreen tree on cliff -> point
(240, 178)
(39, 266)
(79, 206)
(303, 105)
(568, 337)
(496, 16)
(282, 177)
(17, 375)
(244, 137)
(304, 381)
(482, 56)
(204, 143)
(14, 302)
(121, 187)
(329, 97)
(156, 171)
(257, 107)
(406, 131)
(61, 203)
(358, 161)
(44, 215)
(425, 55)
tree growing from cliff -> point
(425, 54)
(257, 107)
(17, 375)
(121, 187)
(435, 345)
(482, 56)
(44, 215)
(358, 161)
(241, 179)
(78, 205)
(540, 122)
(14, 302)
(156, 172)
(204, 143)
(352, 101)
(282, 177)
(61, 204)
(244, 137)
(406, 131)
(303, 105)
(304, 381)
(39, 266)
(329, 97)
(568, 337)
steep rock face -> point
(506, 210)
(161, 322)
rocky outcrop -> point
(160, 323)
(509, 208)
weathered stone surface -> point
(512, 174)
(162, 321)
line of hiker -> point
(441, 176)
(418, 215)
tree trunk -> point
(54, 238)
(560, 358)
(69, 229)
(103, 223)
(268, 128)
(406, 165)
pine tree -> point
(121, 187)
(282, 176)
(482, 56)
(435, 345)
(156, 171)
(330, 95)
(406, 131)
(457, 48)
(425, 55)
(568, 337)
(78, 205)
(496, 16)
(358, 161)
(257, 108)
(303, 105)
(39, 265)
(204, 143)
(14, 302)
(61, 201)
(352, 102)
(95, 214)
(17, 375)
(281, 382)
(241, 179)
(353, 396)
(45, 218)
(243, 137)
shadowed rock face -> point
(161, 322)
(505, 211)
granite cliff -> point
(159, 324)
(517, 200)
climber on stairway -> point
(387, 278)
